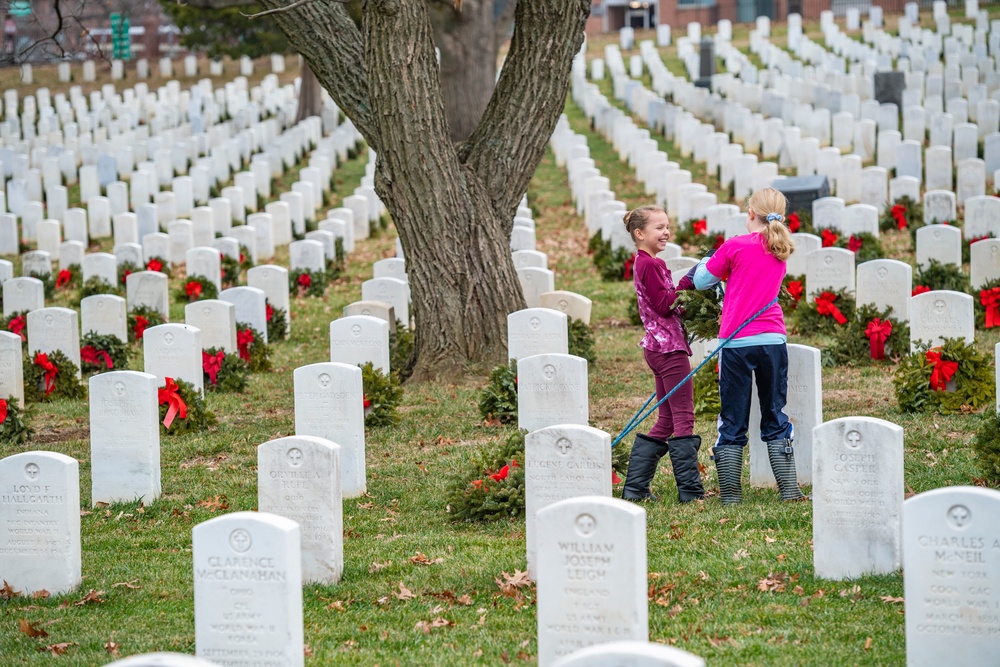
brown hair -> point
(638, 218)
(769, 206)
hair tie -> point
(771, 217)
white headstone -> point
(536, 331)
(829, 269)
(251, 307)
(104, 315)
(52, 329)
(11, 367)
(552, 390)
(174, 351)
(941, 314)
(392, 291)
(149, 289)
(217, 321)
(358, 339)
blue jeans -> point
(737, 367)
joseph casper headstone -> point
(562, 462)
(40, 522)
(591, 575)
(248, 591)
(857, 497)
(951, 549)
(124, 437)
(329, 404)
(298, 477)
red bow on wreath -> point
(305, 280)
(212, 364)
(700, 226)
(16, 326)
(193, 289)
(829, 238)
(854, 243)
(794, 222)
(899, 215)
(942, 370)
(244, 338)
(3, 410)
(175, 404)
(990, 298)
(140, 326)
(628, 268)
(920, 289)
(125, 274)
(154, 265)
(63, 278)
(825, 306)
(365, 401)
(878, 332)
(504, 471)
(268, 312)
(795, 289)
(42, 360)
(91, 355)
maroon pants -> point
(676, 414)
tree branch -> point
(327, 37)
(505, 16)
(286, 8)
(529, 97)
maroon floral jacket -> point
(655, 291)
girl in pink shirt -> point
(753, 266)
(666, 352)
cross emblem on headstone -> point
(564, 445)
(168, 338)
(31, 470)
(100, 305)
(853, 439)
(294, 457)
(49, 320)
(324, 380)
(563, 305)
(883, 272)
(585, 524)
(534, 322)
(366, 312)
(240, 540)
(828, 260)
(939, 306)
(119, 388)
(356, 330)
(960, 516)
(549, 371)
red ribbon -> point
(942, 371)
(268, 312)
(719, 240)
(854, 243)
(42, 359)
(63, 278)
(504, 471)
(795, 289)
(794, 222)
(365, 401)
(305, 280)
(829, 238)
(244, 337)
(140, 326)
(16, 325)
(175, 404)
(193, 289)
(212, 364)
(990, 298)
(91, 355)
(920, 289)
(125, 274)
(899, 214)
(977, 239)
(3, 410)
(615, 479)
(878, 332)
(824, 305)
(154, 265)
(700, 226)
(628, 267)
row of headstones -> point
(88, 69)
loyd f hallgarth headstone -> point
(298, 477)
(40, 522)
(562, 462)
(951, 550)
(857, 497)
(248, 590)
(591, 575)
(124, 437)
(552, 389)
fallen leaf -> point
(775, 583)
(741, 553)
(29, 629)
(868, 644)
(770, 540)
(723, 521)
(427, 626)
(676, 609)
(92, 596)
(56, 649)
(514, 581)
(424, 560)
(375, 567)
(112, 648)
(781, 558)
(717, 641)
(366, 506)
(404, 593)
(890, 599)
(8, 593)
(798, 590)
(40, 595)
(127, 584)
(215, 503)
(307, 650)
(464, 600)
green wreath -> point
(196, 417)
(581, 341)
(16, 322)
(938, 276)
(303, 282)
(491, 486)
(141, 319)
(196, 288)
(973, 378)
(48, 281)
(68, 278)
(252, 348)
(382, 395)
(157, 263)
(852, 346)
(913, 215)
(401, 343)
(230, 271)
(102, 353)
(95, 285)
(809, 321)
(50, 376)
(987, 293)
(498, 399)
(125, 269)
(224, 374)
(277, 322)
(986, 445)
(15, 422)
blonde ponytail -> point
(769, 206)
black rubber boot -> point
(782, 457)
(729, 466)
(684, 458)
(646, 454)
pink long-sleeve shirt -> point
(654, 289)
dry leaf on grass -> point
(40, 595)
(215, 503)
(427, 626)
(889, 599)
(366, 506)
(112, 648)
(375, 567)
(127, 584)
(770, 540)
(741, 553)
(7, 592)
(868, 644)
(404, 593)
(465, 600)
(511, 582)
(56, 649)
(307, 650)
(775, 583)
(424, 560)
(92, 596)
(29, 629)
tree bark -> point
(453, 208)
(310, 94)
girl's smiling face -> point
(653, 238)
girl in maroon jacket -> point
(667, 353)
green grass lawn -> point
(733, 585)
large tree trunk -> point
(310, 94)
(453, 209)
